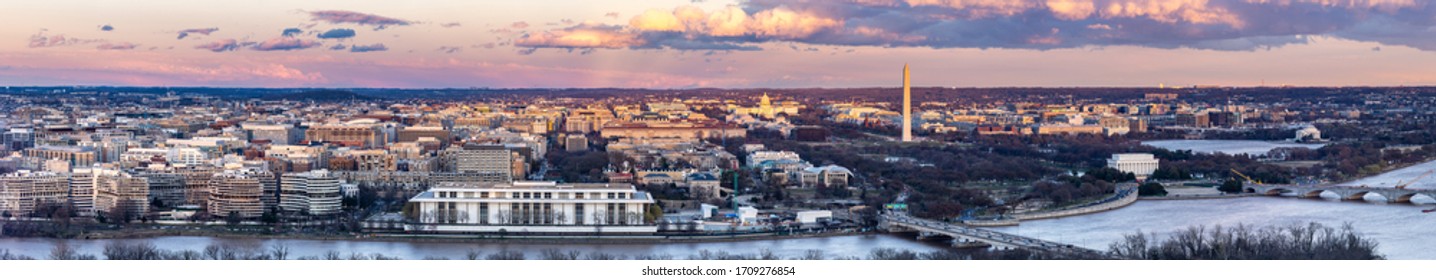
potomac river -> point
(1402, 230)
(832, 246)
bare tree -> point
(556, 254)
(600, 256)
(812, 254)
(279, 251)
(506, 255)
(63, 251)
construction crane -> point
(1244, 176)
(1402, 186)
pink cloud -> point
(223, 45)
(45, 41)
(117, 46)
(201, 31)
(335, 16)
(285, 44)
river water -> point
(1231, 147)
(1401, 229)
(833, 247)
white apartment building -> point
(538, 207)
(1142, 165)
(24, 192)
(236, 193)
(314, 192)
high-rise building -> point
(414, 133)
(906, 105)
(314, 192)
(346, 135)
(121, 196)
(167, 188)
(492, 162)
(277, 134)
(82, 191)
(236, 193)
(22, 193)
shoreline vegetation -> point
(1313, 241)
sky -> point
(714, 43)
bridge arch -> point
(1358, 195)
(1405, 198)
(1312, 193)
(1276, 191)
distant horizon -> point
(899, 87)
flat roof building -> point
(524, 206)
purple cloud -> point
(220, 46)
(107, 27)
(340, 33)
(290, 32)
(335, 16)
(1233, 25)
(285, 44)
(201, 31)
(41, 40)
(369, 48)
(450, 25)
(117, 46)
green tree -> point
(233, 218)
(269, 217)
(654, 212)
(1231, 186)
(1151, 189)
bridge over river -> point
(1392, 195)
(994, 238)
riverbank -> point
(481, 238)
(1122, 198)
(1198, 196)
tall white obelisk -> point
(906, 106)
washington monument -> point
(906, 106)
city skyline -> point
(726, 44)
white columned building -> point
(530, 207)
(1142, 165)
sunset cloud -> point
(335, 16)
(117, 46)
(220, 46)
(1015, 24)
(284, 44)
(581, 36)
(340, 33)
(202, 31)
(40, 40)
(368, 48)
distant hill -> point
(320, 95)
